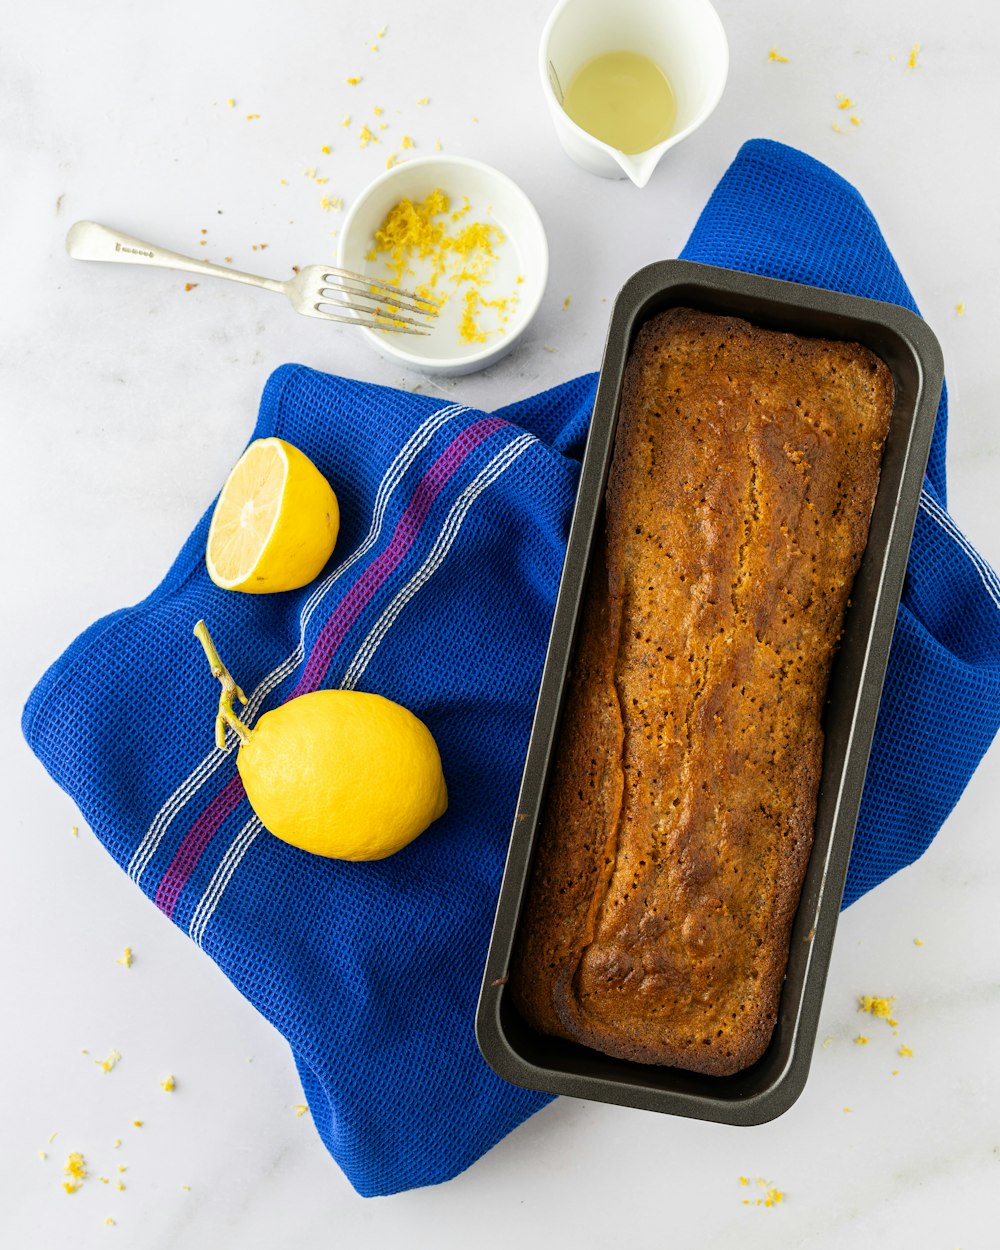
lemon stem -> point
(226, 715)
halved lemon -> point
(276, 521)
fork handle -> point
(86, 240)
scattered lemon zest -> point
(253, 117)
(566, 302)
(229, 259)
(120, 1186)
(861, 1040)
(188, 286)
(114, 1058)
(855, 121)
(437, 145)
(847, 1109)
(407, 142)
(104, 1180)
(380, 34)
(329, 202)
(53, 1136)
(826, 1042)
(959, 311)
(912, 61)
(920, 941)
(75, 831)
(744, 1180)
(365, 136)
(122, 1167)
(424, 99)
(71, 1186)
(895, 1072)
(75, 1166)
(231, 102)
(775, 55)
(326, 149)
(374, 47)
(352, 82)
(906, 1052)
(347, 120)
(836, 128)
(109, 1220)
(186, 1188)
(844, 102)
(299, 1108)
(137, 1123)
(169, 1085)
(383, 125)
(880, 1007)
(378, 111)
(42, 1155)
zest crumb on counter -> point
(299, 1108)
(775, 55)
(912, 61)
(75, 1168)
(75, 829)
(231, 103)
(126, 957)
(253, 117)
(959, 311)
(113, 1059)
(861, 1040)
(906, 1052)
(771, 1197)
(188, 286)
(918, 941)
(169, 1085)
(844, 102)
(352, 82)
(880, 1007)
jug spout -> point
(639, 168)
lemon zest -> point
(775, 55)
(113, 1059)
(880, 1007)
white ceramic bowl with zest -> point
(517, 274)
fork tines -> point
(380, 303)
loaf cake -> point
(680, 813)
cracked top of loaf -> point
(680, 813)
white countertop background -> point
(125, 400)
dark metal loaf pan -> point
(771, 1085)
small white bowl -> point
(520, 271)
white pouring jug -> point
(684, 37)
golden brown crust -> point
(680, 813)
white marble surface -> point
(124, 402)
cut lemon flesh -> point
(275, 523)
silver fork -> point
(317, 291)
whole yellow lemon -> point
(343, 774)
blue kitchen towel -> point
(440, 595)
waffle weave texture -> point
(440, 595)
